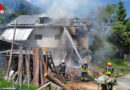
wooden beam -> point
(45, 85)
(54, 80)
(41, 66)
(12, 47)
(36, 67)
(20, 65)
(28, 67)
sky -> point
(70, 8)
(80, 6)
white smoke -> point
(67, 8)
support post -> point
(28, 67)
(20, 65)
(36, 67)
(12, 47)
(41, 66)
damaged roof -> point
(25, 20)
(20, 35)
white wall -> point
(48, 37)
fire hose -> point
(91, 75)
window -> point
(38, 37)
(57, 36)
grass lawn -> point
(120, 64)
(117, 62)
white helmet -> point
(63, 60)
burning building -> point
(38, 31)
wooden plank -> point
(45, 85)
(20, 65)
(28, 67)
(41, 66)
(46, 63)
(36, 67)
(12, 47)
(54, 80)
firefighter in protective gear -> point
(108, 69)
(84, 73)
(62, 68)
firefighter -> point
(49, 60)
(62, 68)
(109, 70)
(84, 73)
(50, 65)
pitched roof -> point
(21, 34)
(25, 20)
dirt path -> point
(91, 85)
(123, 84)
(82, 85)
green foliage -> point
(117, 62)
(107, 14)
(121, 12)
(120, 35)
(124, 71)
(110, 12)
(5, 84)
(25, 87)
(19, 12)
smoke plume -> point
(67, 8)
(98, 38)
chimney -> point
(44, 20)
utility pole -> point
(12, 47)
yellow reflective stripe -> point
(108, 72)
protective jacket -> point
(62, 67)
(109, 70)
(84, 68)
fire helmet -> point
(63, 60)
(85, 62)
(109, 64)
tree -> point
(110, 12)
(2, 20)
(120, 34)
(121, 12)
